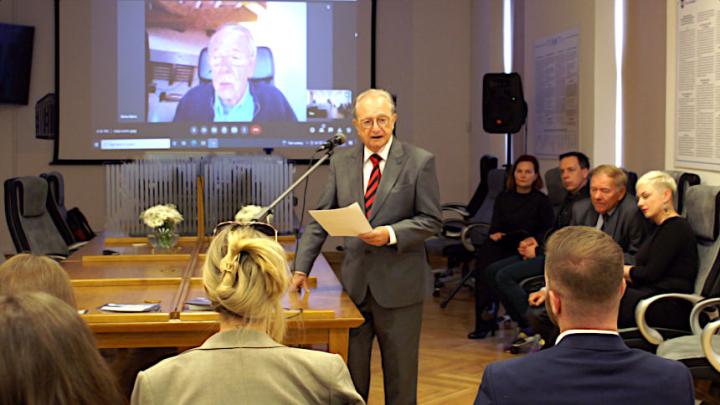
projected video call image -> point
(329, 104)
(223, 75)
(226, 61)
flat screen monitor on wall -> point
(16, 48)
(203, 76)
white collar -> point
(383, 152)
(585, 331)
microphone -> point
(331, 143)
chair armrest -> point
(465, 235)
(77, 245)
(456, 209)
(697, 310)
(706, 342)
(651, 334)
(530, 282)
(57, 258)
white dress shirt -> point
(581, 331)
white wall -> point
(708, 177)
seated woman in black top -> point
(668, 260)
(520, 212)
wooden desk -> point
(324, 316)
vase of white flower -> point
(162, 219)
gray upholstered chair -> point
(555, 190)
(31, 227)
(702, 207)
(684, 181)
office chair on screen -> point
(264, 66)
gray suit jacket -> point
(626, 225)
(407, 199)
(246, 367)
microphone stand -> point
(267, 211)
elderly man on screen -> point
(232, 96)
(590, 363)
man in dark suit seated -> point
(590, 363)
(610, 210)
(232, 96)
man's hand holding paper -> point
(348, 221)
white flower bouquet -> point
(161, 216)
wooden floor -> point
(450, 365)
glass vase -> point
(163, 240)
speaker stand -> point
(508, 149)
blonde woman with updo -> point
(666, 262)
(245, 276)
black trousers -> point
(485, 293)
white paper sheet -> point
(348, 221)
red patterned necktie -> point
(373, 183)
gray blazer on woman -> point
(246, 367)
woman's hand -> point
(537, 298)
(626, 272)
(496, 236)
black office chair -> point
(555, 190)
(30, 224)
(456, 216)
(475, 232)
(71, 224)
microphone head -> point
(339, 138)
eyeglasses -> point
(381, 121)
(231, 59)
(262, 227)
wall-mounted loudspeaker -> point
(504, 107)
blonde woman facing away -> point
(245, 276)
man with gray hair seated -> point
(590, 363)
(610, 210)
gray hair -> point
(376, 93)
(237, 30)
(615, 173)
(660, 181)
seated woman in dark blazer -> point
(245, 276)
(668, 260)
(520, 212)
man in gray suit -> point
(384, 271)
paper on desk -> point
(110, 307)
(348, 221)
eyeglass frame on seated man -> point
(262, 227)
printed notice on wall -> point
(697, 108)
(555, 115)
